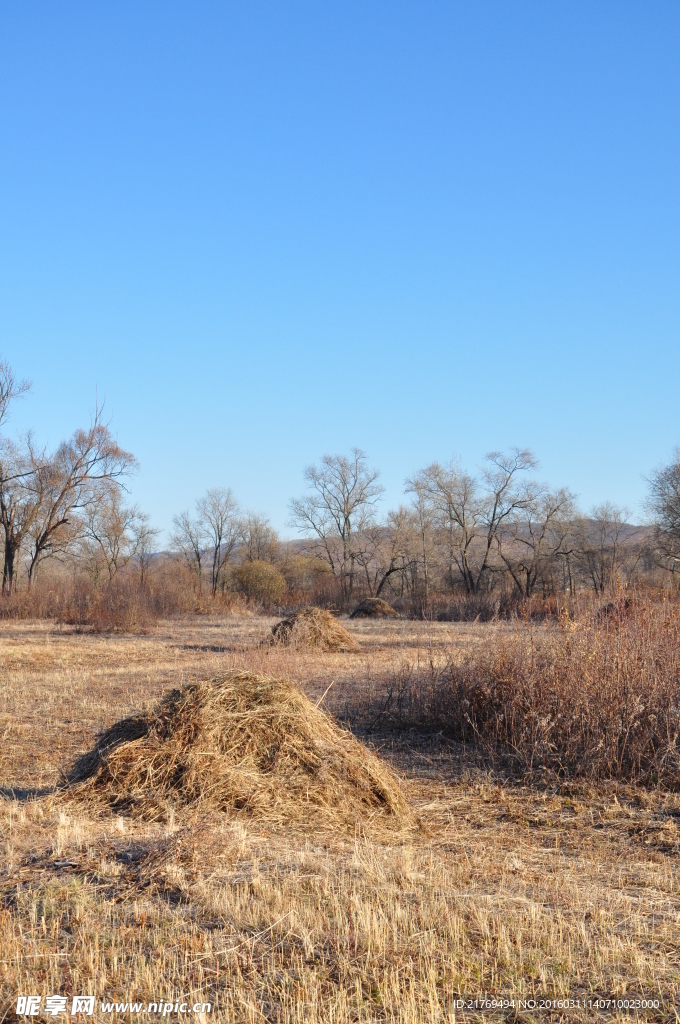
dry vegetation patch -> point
(577, 700)
(374, 608)
(314, 628)
(505, 890)
(242, 743)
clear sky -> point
(268, 231)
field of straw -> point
(485, 882)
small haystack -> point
(374, 608)
(313, 627)
(244, 743)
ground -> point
(501, 889)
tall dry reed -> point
(599, 698)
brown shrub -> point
(316, 628)
(574, 699)
(241, 743)
(260, 582)
(373, 608)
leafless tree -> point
(218, 514)
(189, 539)
(43, 496)
(536, 536)
(385, 550)
(145, 536)
(338, 511)
(15, 470)
(10, 388)
(66, 484)
(111, 534)
(663, 506)
(599, 542)
(450, 497)
(421, 522)
(17, 505)
(260, 541)
(470, 517)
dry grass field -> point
(494, 889)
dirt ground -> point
(503, 891)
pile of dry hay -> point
(373, 608)
(313, 627)
(242, 743)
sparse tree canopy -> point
(218, 513)
(337, 512)
(663, 505)
(599, 544)
(10, 388)
(536, 536)
(67, 485)
(260, 541)
(210, 535)
(44, 496)
(470, 516)
(112, 534)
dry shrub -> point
(616, 611)
(482, 607)
(373, 608)
(600, 701)
(241, 743)
(260, 582)
(315, 628)
(122, 607)
(309, 581)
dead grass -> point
(246, 743)
(315, 628)
(374, 608)
(597, 698)
(505, 889)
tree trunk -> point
(11, 551)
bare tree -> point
(470, 518)
(17, 506)
(111, 533)
(189, 539)
(10, 388)
(449, 498)
(539, 533)
(338, 510)
(385, 550)
(65, 485)
(218, 514)
(663, 505)
(260, 541)
(422, 521)
(599, 541)
(145, 536)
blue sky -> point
(268, 231)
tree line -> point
(500, 531)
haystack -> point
(374, 608)
(314, 627)
(246, 744)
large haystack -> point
(313, 627)
(374, 608)
(243, 743)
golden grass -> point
(242, 742)
(373, 608)
(504, 890)
(315, 628)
